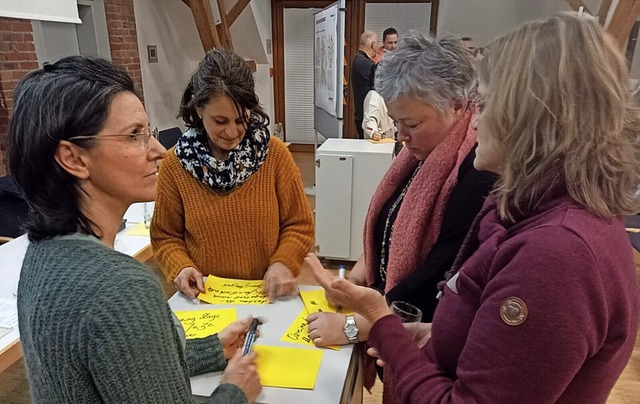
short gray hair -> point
(435, 71)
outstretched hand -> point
(368, 302)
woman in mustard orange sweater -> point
(230, 197)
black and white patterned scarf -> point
(195, 156)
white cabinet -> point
(347, 174)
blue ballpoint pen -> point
(251, 336)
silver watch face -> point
(350, 331)
(350, 328)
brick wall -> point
(123, 39)
(17, 58)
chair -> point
(169, 137)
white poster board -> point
(326, 58)
(329, 70)
(42, 10)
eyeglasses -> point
(139, 140)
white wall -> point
(484, 20)
(54, 40)
(170, 26)
(249, 34)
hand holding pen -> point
(233, 336)
(251, 337)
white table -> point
(12, 254)
(338, 378)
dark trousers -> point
(359, 128)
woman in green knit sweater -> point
(94, 324)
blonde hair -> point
(559, 102)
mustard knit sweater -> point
(235, 234)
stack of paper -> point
(8, 316)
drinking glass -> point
(407, 312)
(147, 213)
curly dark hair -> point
(221, 73)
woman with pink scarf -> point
(424, 205)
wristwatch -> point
(351, 330)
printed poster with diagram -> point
(326, 59)
(233, 291)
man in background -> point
(361, 74)
(389, 43)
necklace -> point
(388, 226)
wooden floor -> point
(14, 388)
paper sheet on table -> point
(316, 302)
(8, 313)
(295, 368)
(202, 323)
(298, 332)
(233, 291)
(383, 140)
(137, 230)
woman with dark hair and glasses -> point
(230, 197)
(94, 324)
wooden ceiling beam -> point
(235, 11)
(604, 10)
(203, 16)
(223, 28)
(624, 16)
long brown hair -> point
(558, 99)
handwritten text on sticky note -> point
(298, 332)
(202, 323)
(233, 291)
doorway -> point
(289, 91)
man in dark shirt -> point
(361, 74)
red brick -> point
(9, 65)
(28, 66)
(19, 74)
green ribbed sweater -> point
(95, 328)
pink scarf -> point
(419, 219)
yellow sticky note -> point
(383, 140)
(294, 368)
(202, 323)
(233, 291)
(316, 302)
(298, 332)
(137, 230)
